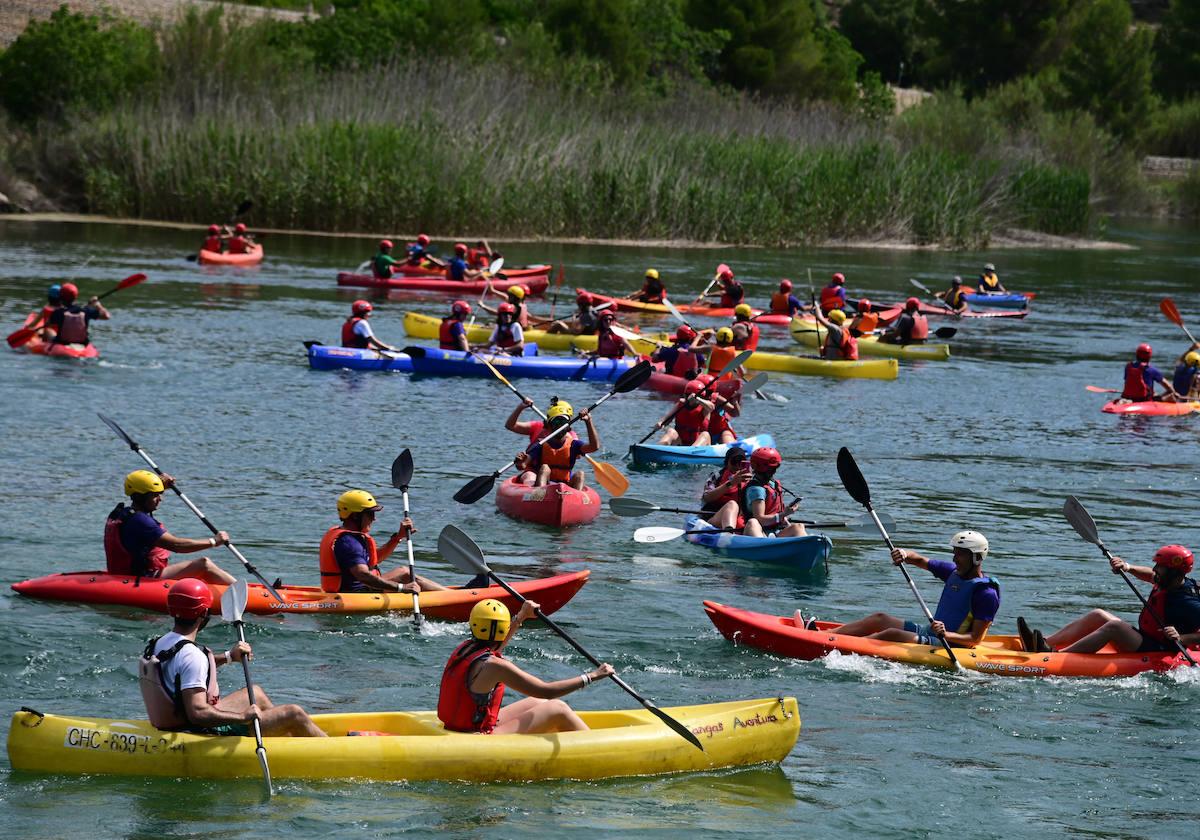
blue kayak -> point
(1008, 300)
(325, 357)
(647, 453)
(802, 554)
(432, 361)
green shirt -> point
(382, 265)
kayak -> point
(63, 351)
(520, 273)
(647, 453)
(933, 310)
(668, 384)
(804, 330)
(426, 326)
(433, 361)
(557, 504)
(536, 284)
(814, 366)
(413, 746)
(627, 305)
(324, 357)
(1006, 300)
(802, 554)
(151, 594)
(1150, 408)
(1000, 655)
(252, 257)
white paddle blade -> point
(496, 267)
(233, 600)
(655, 534)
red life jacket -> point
(559, 459)
(445, 340)
(608, 346)
(239, 245)
(866, 323)
(1155, 605)
(653, 291)
(774, 500)
(730, 495)
(504, 336)
(1136, 388)
(750, 342)
(478, 258)
(732, 295)
(118, 560)
(689, 422)
(831, 298)
(331, 572)
(213, 243)
(719, 357)
(683, 363)
(74, 327)
(846, 349)
(718, 424)
(920, 330)
(164, 703)
(459, 708)
(781, 303)
(351, 338)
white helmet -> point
(989, 267)
(972, 541)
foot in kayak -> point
(802, 623)
(1040, 644)
(1026, 634)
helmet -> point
(460, 307)
(490, 620)
(727, 274)
(839, 279)
(356, 501)
(785, 285)
(912, 303)
(864, 305)
(189, 598)
(562, 408)
(1144, 352)
(1192, 359)
(743, 310)
(239, 228)
(213, 229)
(694, 386)
(583, 299)
(972, 541)
(385, 244)
(837, 316)
(460, 248)
(724, 335)
(422, 239)
(143, 481)
(506, 309)
(53, 292)
(685, 333)
(957, 281)
(989, 267)
(706, 378)
(361, 307)
(1174, 557)
(608, 315)
(765, 459)
(518, 292)
(652, 273)
(68, 292)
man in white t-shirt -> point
(183, 693)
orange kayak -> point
(252, 257)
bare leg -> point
(577, 479)
(726, 517)
(893, 635)
(198, 567)
(543, 477)
(753, 528)
(1088, 623)
(727, 437)
(1122, 636)
(873, 623)
(670, 438)
(530, 716)
(703, 439)
(288, 719)
(400, 575)
(528, 477)
(793, 530)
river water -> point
(206, 369)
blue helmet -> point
(53, 292)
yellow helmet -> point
(517, 291)
(490, 620)
(742, 310)
(724, 335)
(562, 408)
(652, 273)
(837, 316)
(1192, 359)
(356, 501)
(143, 481)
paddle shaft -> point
(1109, 556)
(927, 291)
(418, 619)
(259, 749)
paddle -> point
(940, 332)
(721, 269)
(557, 286)
(655, 534)
(108, 421)
(610, 478)
(462, 551)
(641, 507)
(1085, 526)
(480, 486)
(402, 470)
(233, 604)
(856, 486)
(732, 365)
(242, 209)
(1096, 389)
(934, 297)
(1169, 309)
(494, 271)
(26, 334)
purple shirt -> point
(140, 533)
(985, 600)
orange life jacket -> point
(867, 322)
(559, 459)
(781, 303)
(847, 348)
(331, 572)
(719, 357)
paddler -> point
(135, 543)
(53, 301)
(349, 559)
(839, 342)
(452, 335)
(910, 328)
(214, 242)
(178, 677)
(507, 337)
(419, 256)
(691, 413)
(1140, 377)
(722, 353)
(784, 302)
(585, 321)
(732, 292)
(745, 331)
(955, 296)
(357, 333)
(457, 267)
(719, 429)
(1174, 599)
(477, 674)
(241, 241)
(759, 506)
(514, 296)
(383, 264)
(609, 345)
(652, 291)
(68, 323)
(480, 256)
(680, 357)
(833, 296)
(534, 430)
(989, 282)
(866, 321)
(1186, 381)
(555, 459)
(725, 485)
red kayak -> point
(252, 257)
(536, 283)
(38, 347)
(453, 604)
(668, 384)
(703, 310)
(1148, 408)
(556, 504)
(526, 272)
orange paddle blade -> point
(1169, 309)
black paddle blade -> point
(476, 489)
(945, 332)
(1081, 520)
(625, 506)
(852, 478)
(679, 728)
(414, 352)
(461, 551)
(112, 424)
(633, 378)
(308, 345)
(402, 470)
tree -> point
(601, 29)
(885, 33)
(1177, 51)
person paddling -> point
(214, 242)
(383, 264)
(680, 357)
(534, 430)
(722, 353)
(725, 485)
(53, 301)
(1174, 600)
(507, 337)
(357, 333)
(452, 335)
(1141, 376)
(719, 428)
(349, 558)
(956, 296)
(839, 342)
(419, 256)
(585, 320)
(759, 507)
(989, 282)
(609, 345)
(1186, 380)
(653, 290)
(514, 296)
(68, 323)
(784, 302)
(178, 678)
(477, 674)
(866, 321)
(480, 257)
(731, 292)
(242, 242)
(555, 459)
(910, 328)
(135, 543)
(457, 267)
(745, 331)
(690, 413)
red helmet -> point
(864, 305)
(839, 279)
(912, 303)
(506, 309)
(727, 274)
(460, 248)
(694, 386)
(239, 228)
(361, 307)
(460, 307)
(1174, 557)
(765, 459)
(422, 239)
(584, 299)
(608, 315)
(189, 598)
(706, 378)
(685, 333)
(213, 229)
(785, 285)
(385, 244)
(68, 292)
(1144, 351)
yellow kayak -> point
(805, 331)
(414, 746)
(813, 366)
(426, 326)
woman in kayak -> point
(653, 290)
(507, 337)
(759, 506)
(609, 345)
(555, 459)
(357, 333)
(691, 413)
(514, 296)
(839, 342)
(719, 428)
(452, 335)
(726, 484)
(1174, 600)
(1140, 377)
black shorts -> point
(1150, 645)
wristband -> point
(212, 542)
(587, 680)
(229, 655)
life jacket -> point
(732, 295)
(164, 703)
(750, 342)
(832, 297)
(718, 424)
(117, 558)
(781, 303)
(459, 708)
(351, 338)
(954, 297)
(653, 291)
(920, 330)
(989, 282)
(730, 495)
(846, 349)
(954, 607)
(1185, 375)
(1136, 387)
(537, 430)
(331, 572)
(719, 357)
(773, 503)
(678, 361)
(867, 322)
(689, 422)
(559, 459)
(522, 317)
(1156, 605)
(608, 346)
(213, 243)
(74, 327)
(445, 339)
(239, 245)
(505, 336)
(478, 258)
